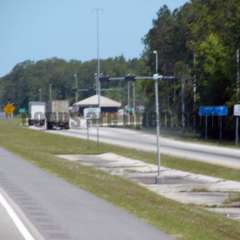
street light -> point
(98, 84)
(156, 78)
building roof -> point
(93, 101)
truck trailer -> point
(58, 114)
(37, 113)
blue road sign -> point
(219, 111)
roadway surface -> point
(229, 157)
(8, 230)
(61, 211)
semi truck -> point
(58, 114)
(37, 113)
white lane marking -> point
(19, 224)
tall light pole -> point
(238, 90)
(157, 118)
(98, 86)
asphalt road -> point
(8, 230)
(61, 211)
(224, 156)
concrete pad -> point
(233, 213)
(181, 186)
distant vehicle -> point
(37, 113)
(58, 114)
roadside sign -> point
(236, 110)
(141, 109)
(91, 113)
(22, 110)
(214, 111)
(9, 108)
(219, 111)
(128, 109)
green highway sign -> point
(22, 110)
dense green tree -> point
(24, 82)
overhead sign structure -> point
(219, 111)
(236, 111)
(92, 113)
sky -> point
(39, 29)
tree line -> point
(196, 42)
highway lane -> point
(61, 211)
(224, 156)
(8, 229)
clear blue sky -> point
(38, 29)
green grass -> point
(186, 222)
(233, 197)
(189, 136)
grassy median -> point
(181, 221)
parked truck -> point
(37, 113)
(58, 114)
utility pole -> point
(129, 101)
(76, 87)
(194, 92)
(238, 74)
(157, 119)
(50, 92)
(238, 89)
(40, 94)
(134, 102)
(183, 101)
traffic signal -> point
(103, 78)
(130, 77)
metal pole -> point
(40, 94)
(157, 120)
(206, 127)
(238, 74)
(194, 92)
(98, 87)
(50, 92)
(129, 102)
(238, 89)
(237, 131)
(76, 87)
(183, 102)
(220, 123)
(134, 102)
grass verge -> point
(186, 222)
(233, 198)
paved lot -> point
(229, 157)
(61, 211)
